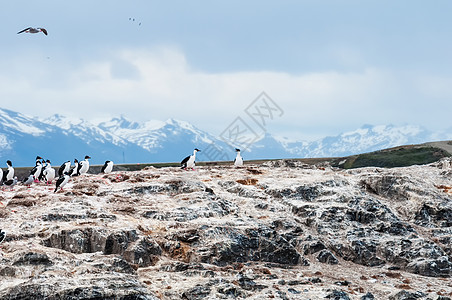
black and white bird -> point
(34, 30)
(48, 173)
(62, 181)
(64, 168)
(2, 235)
(107, 167)
(9, 173)
(189, 161)
(83, 166)
(36, 171)
(73, 171)
(41, 175)
(10, 183)
(238, 161)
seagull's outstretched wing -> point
(24, 30)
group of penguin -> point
(43, 172)
(189, 161)
(65, 172)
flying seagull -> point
(33, 30)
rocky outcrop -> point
(281, 230)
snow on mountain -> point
(117, 124)
(14, 122)
(167, 141)
(365, 139)
(84, 130)
(4, 144)
(125, 141)
(59, 139)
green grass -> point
(396, 157)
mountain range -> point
(124, 141)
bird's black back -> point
(104, 166)
(183, 163)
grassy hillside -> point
(395, 157)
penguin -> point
(34, 30)
(64, 168)
(238, 161)
(83, 166)
(107, 167)
(41, 174)
(2, 235)
(189, 161)
(73, 171)
(61, 182)
(36, 171)
(28, 180)
(48, 173)
(11, 183)
(9, 174)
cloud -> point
(159, 83)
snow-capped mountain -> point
(166, 141)
(365, 139)
(60, 139)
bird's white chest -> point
(85, 166)
(10, 174)
(108, 168)
(191, 161)
(66, 180)
(238, 160)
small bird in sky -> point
(34, 30)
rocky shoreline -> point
(278, 230)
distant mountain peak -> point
(179, 123)
(120, 122)
(62, 122)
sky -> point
(330, 66)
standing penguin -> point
(61, 182)
(238, 161)
(64, 168)
(107, 167)
(9, 173)
(83, 166)
(48, 173)
(73, 171)
(36, 171)
(41, 175)
(189, 161)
